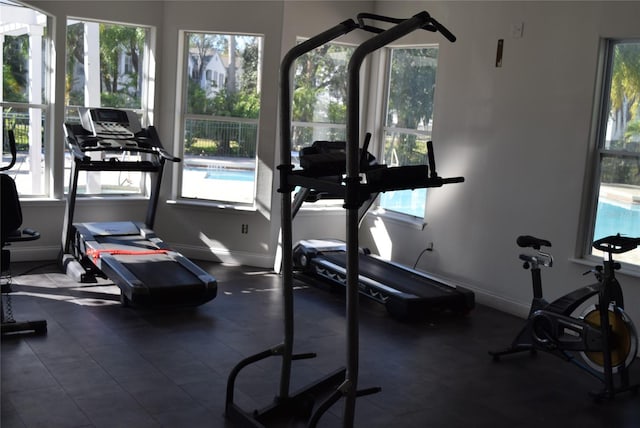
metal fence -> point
(211, 137)
(19, 123)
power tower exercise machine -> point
(129, 253)
(308, 404)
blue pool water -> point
(230, 174)
(405, 201)
(616, 218)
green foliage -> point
(211, 137)
(197, 101)
(321, 75)
(620, 171)
(15, 74)
(244, 104)
(119, 99)
(115, 41)
(632, 134)
(320, 91)
(625, 79)
(413, 80)
(19, 123)
(624, 116)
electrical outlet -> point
(245, 228)
(517, 30)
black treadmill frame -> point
(402, 299)
(78, 240)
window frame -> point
(331, 128)
(598, 153)
(45, 107)
(385, 62)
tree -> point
(75, 55)
(412, 88)
(624, 116)
(320, 91)
(625, 91)
(15, 74)
(116, 40)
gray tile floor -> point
(103, 365)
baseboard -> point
(224, 255)
(487, 298)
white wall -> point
(519, 134)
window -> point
(26, 71)
(618, 161)
(408, 120)
(319, 107)
(108, 65)
(320, 95)
(220, 122)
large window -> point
(221, 107)
(408, 120)
(108, 65)
(26, 71)
(618, 160)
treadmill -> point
(129, 253)
(406, 293)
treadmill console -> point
(110, 129)
(110, 123)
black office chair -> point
(11, 216)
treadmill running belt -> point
(406, 294)
(392, 276)
(159, 271)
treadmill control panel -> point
(110, 129)
(110, 123)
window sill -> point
(413, 222)
(626, 269)
(211, 205)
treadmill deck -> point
(405, 292)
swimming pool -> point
(230, 174)
(614, 217)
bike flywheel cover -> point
(623, 340)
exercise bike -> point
(603, 335)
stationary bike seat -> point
(531, 241)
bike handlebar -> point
(616, 244)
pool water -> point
(613, 218)
(405, 201)
(230, 174)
